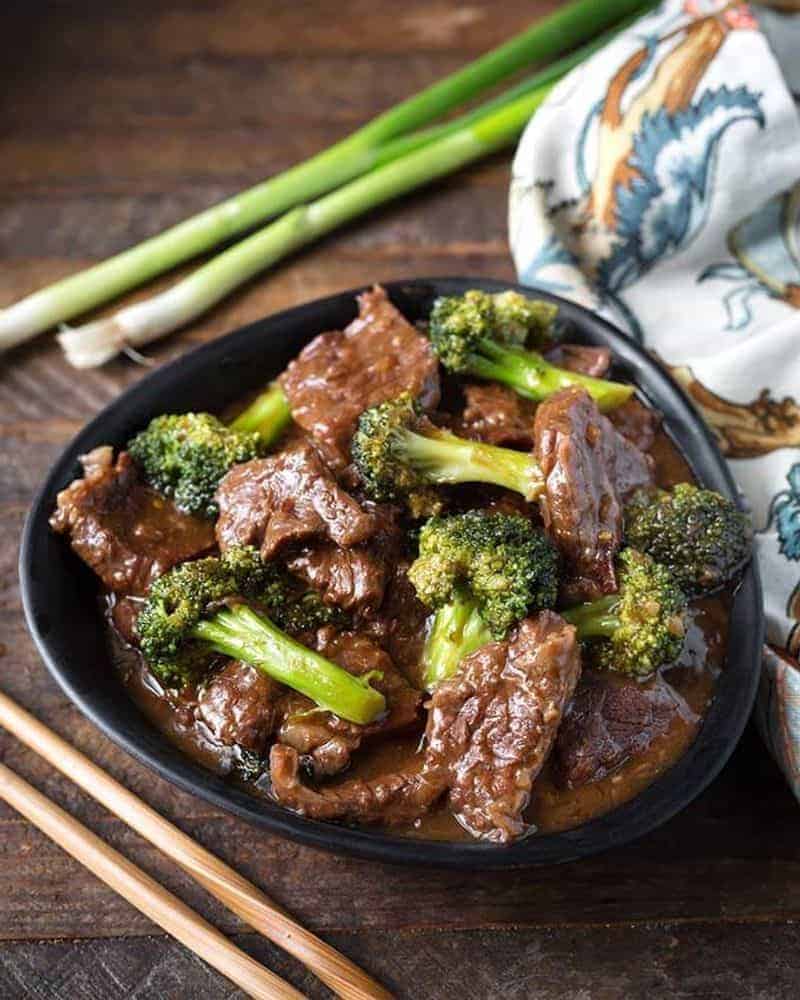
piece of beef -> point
(589, 468)
(339, 374)
(612, 719)
(122, 528)
(353, 579)
(400, 624)
(288, 498)
(327, 742)
(492, 725)
(239, 706)
(123, 612)
(391, 799)
(581, 358)
(496, 415)
(637, 422)
(490, 729)
(289, 504)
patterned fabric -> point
(660, 185)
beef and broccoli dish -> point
(451, 578)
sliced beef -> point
(589, 468)
(490, 730)
(127, 532)
(581, 358)
(352, 578)
(492, 725)
(239, 706)
(637, 422)
(325, 741)
(123, 612)
(611, 720)
(379, 356)
(288, 498)
(400, 623)
(392, 799)
(496, 415)
(289, 504)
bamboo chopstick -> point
(244, 899)
(144, 892)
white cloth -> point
(660, 185)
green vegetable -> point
(481, 572)
(640, 628)
(185, 623)
(486, 336)
(185, 455)
(456, 631)
(398, 454)
(702, 537)
(353, 157)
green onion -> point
(145, 321)
(344, 161)
(453, 145)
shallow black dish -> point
(60, 593)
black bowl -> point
(60, 593)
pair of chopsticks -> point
(344, 977)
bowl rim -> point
(720, 731)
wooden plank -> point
(693, 962)
(150, 33)
(715, 861)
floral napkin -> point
(660, 185)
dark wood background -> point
(117, 118)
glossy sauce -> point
(552, 807)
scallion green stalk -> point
(350, 158)
(145, 321)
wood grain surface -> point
(117, 118)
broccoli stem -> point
(252, 638)
(268, 414)
(443, 458)
(595, 619)
(456, 631)
(531, 376)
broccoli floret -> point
(486, 335)
(185, 455)
(481, 573)
(701, 536)
(186, 622)
(641, 627)
(510, 318)
(399, 454)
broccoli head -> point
(185, 455)
(486, 336)
(640, 628)
(481, 573)
(701, 536)
(181, 598)
(399, 454)
(458, 323)
(197, 611)
(501, 561)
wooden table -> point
(118, 119)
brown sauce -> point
(552, 807)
